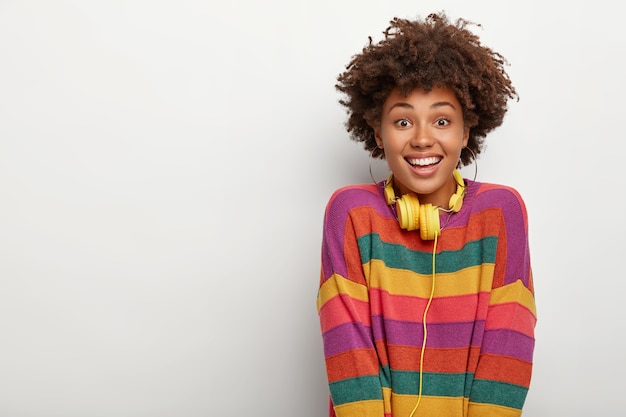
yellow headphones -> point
(412, 216)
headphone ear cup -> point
(429, 222)
(408, 207)
(456, 202)
(390, 194)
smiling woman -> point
(441, 322)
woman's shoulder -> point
(486, 194)
(351, 196)
(356, 190)
(500, 191)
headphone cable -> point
(430, 299)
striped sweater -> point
(376, 281)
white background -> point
(164, 167)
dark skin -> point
(433, 52)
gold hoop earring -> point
(474, 159)
(370, 163)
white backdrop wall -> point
(164, 167)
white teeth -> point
(424, 161)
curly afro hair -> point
(432, 52)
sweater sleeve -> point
(503, 373)
(352, 364)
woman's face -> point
(422, 135)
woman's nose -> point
(422, 138)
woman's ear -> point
(379, 141)
(375, 126)
(466, 132)
(378, 137)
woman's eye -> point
(403, 123)
(442, 122)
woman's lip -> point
(423, 160)
(424, 171)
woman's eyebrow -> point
(435, 105)
(441, 104)
(400, 104)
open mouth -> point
(424, 162)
